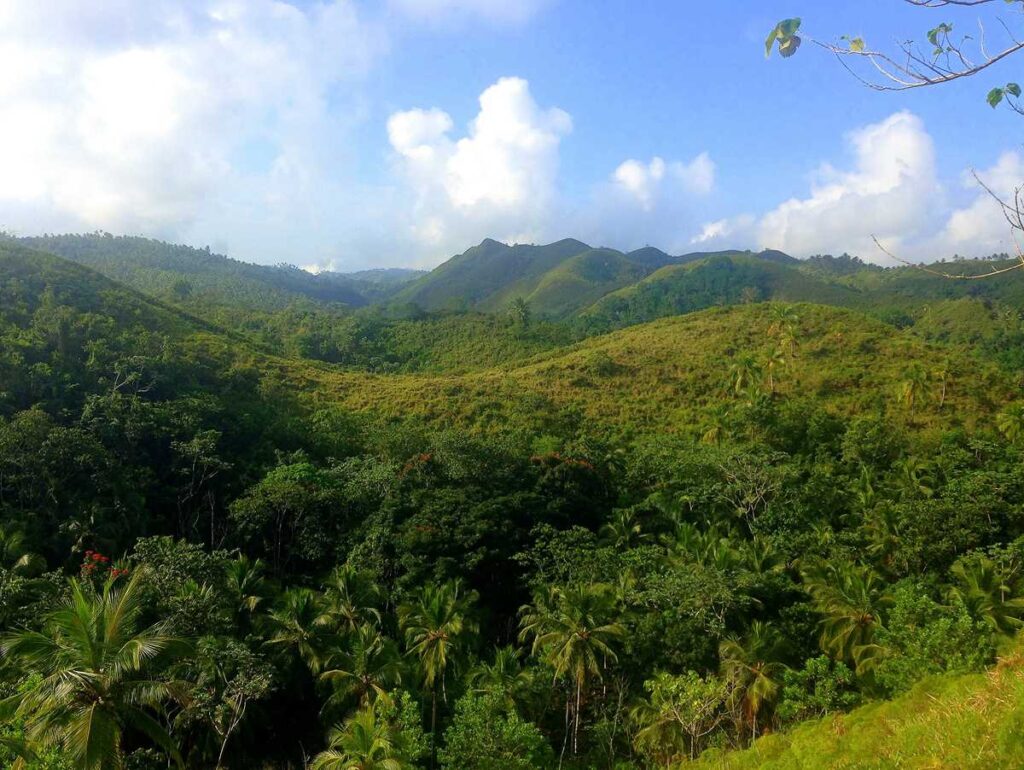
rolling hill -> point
(198, 276)
(662, 377)
(558, 280)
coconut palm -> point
(912, 387)
(752, 664)
(15, 556)
(367, 669)
(505, 675)
(852, 600)
(573, 629)
(301, 623)
(744, 374)
(97, 675)
(1010, 422)
(353, 598)
(365, 742)
(625, 530)
(438, 630)
(992, 592)
(245, 581)
(718, 425)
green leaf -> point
(1012, 88)
(857, 44)
(788, 48)
(994, 97)
(933, 34)
(784, 32)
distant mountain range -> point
(598, 288)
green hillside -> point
(667, 376)
(721, 279)
(972, 722)
(198, 276)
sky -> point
(351, 134)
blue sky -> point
(351, 134)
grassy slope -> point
(973, 722)
(661, 377)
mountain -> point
(707, 280)
(199, 276)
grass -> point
(972, 722)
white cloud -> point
(891, 192)
(731, 229)
(646, 182)
(132, 116)
(502, 11)
(497, 180)
(980, 228)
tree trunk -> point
(433, 727)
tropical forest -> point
(736, 501)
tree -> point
(519, 312)
(246, 585)
(1010, 422)
(488, 734)
(851, 599)
(573, 630)
(943, 57)
(992, 590)
(438, 630)
(366, 669)
(353, 598)
(678, 715)
(912, 387)
(367, 741)
(505, 675)
(744, 374)
(98, 674)
(300, 622)
(752, 664)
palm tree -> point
(302, 624)
(1010, 422)
(776, 360)
(852, 600)
(941, 374)
(246, 584)
(365, 670)
(353, 598)
(752, 664)
(96, 680)
(365, 742)
(15, 556)
(912, 387)
(718, 425)
(625, 530)
(993, 593)
(743, 374)
(438, 631)
(505, 675)
(573, 629)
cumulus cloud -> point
(498, 179)
(890, 192)
(132, 117)
(647, 182)
(980, 229)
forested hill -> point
(634, 547)
(185, 274)
(556, 280)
